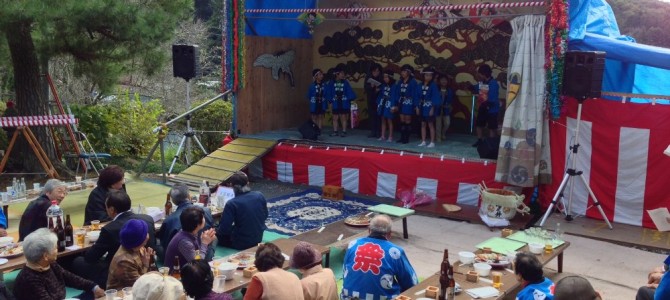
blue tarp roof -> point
(630, 67)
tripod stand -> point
(189, 134)
(570, 175)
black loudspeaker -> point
(583, 74)
(185, 61)
(310, 131)
(488, 148)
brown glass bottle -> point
(176, 268)
(69, 232)
(168, 205)
(51, 225)
(444, 275)
(152, 264)
(60, 233)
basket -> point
(501, 204)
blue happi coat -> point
(429, 98)
(317, 101)
(385, 101)
(340, 94)
(406, 95)
(376, 269)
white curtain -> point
(524, 158)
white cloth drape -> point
(524, 158)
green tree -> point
(100, 35)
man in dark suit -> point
(92, 265)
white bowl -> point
(535, 248)
(482, 268)
(466, 257)
(93, 235)
(227, 269)
(6, 240)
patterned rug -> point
(304, 211)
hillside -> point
(644, 20)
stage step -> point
(222, 163)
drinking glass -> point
(110, 294)
(497, 279)
(80, 237)
(95, 225)
(216, 261)
(164, 270)
(220, 283)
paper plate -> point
(3, 261)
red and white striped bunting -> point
(399, 8)
(37, 120)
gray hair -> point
(179, 193)
(51, 185)
(380, 224)
(38, 243)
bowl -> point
(535, 248)
(93, 235)
(466, 257)
(227, 269)
(483, 269)
(6, 240)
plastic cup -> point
(95, 225)
(5, 197)
(216, 261)
(77, 179)
(164, 270)
(219, 283)
(127, 293)
(497, 279)
(110, 294)
(36, 186)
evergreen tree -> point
(101, 36)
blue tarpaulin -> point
(283, 25)
(630, 67)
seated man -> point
(93, 265)
(243, 221)
(575, 288)
(180, 197)
(375, 268)
(35, 215)
(655, 284)
(528, 270)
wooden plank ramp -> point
(222, 163)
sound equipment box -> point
(583, 74)
(488, 148)
(310, 131)
(185, 61)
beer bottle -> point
(444, 275)
(69, 232)
(176, 269)
(168, 205)
(60, 233)
(451, 287)
(197, 255)
(152, 263)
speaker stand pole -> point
(187, 155)
(570, 175)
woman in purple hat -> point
(132, 259)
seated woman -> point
(110, 178)
(186, 242)
(42, 278)
(198, 279)
(318, 283)
(272, 282)
(155, 286)
(34, 216)
(528, 270)
(132, 259)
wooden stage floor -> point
(621, 234)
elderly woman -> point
(318, 283)
(34, 216)
(185, 243)
(42, 278)
(132, 259)
(155, 286)
(272, 282)
(198, 279)
(110, 178)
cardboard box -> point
(332, 192)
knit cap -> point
(305, 256)
(133, 233)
